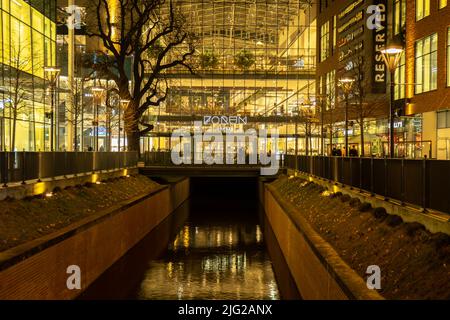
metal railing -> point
(23, 166)
(424, 183)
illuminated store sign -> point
(380, 36)
(350, 37)
(349, 9)
(358, 17)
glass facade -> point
(28, 44)
(325, 41)
(255, 60)
(422, 9)
(426, 64)
(399, 16)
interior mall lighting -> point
(97, 89)
(346, 80)
(52, 73)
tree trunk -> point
(132, 118)
(361, 124)
(13, 140)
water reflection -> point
(212, 247)
(221, 261)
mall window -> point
(442, 3)
(325, 41)
(399, 79)
(443, 119)
(27, 39)
(426, 64)
(399, 15)
(330, 90)
(334, 32)
(422, 9)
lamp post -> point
(346, 84)
(123, 105)
(97, 93)
(391, 56)
(51, 75)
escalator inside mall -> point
(216, 245)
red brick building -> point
(422, 94)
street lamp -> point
(391, 56)
(97, 93)
(123, 105)
(51, 75)
(346, 84)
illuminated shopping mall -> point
(224, 149)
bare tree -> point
(364, 105)
(21, 64)
(155, 35)
(76, 108)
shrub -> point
(394, 220)
(354, 202)
(364, 207)
(379, 213)
(345, 198)
(413, 227)
(441, 240)
(57, 189)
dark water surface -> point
(212, 247)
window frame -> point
(424, 62)
(424, 5)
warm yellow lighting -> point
(326, 193)
(49, 194)
(391, 56)
(94, 178)
(39, 188)
(52, 70)
(393, 49)
(97, 89)
(346, 80)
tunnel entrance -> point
(212, 247)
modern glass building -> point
(253, 59)
(28, 45)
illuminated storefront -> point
(252, 59)
(28, 44)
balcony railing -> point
(25, 166)
(423, 183)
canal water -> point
(212, 247)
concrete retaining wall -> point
(318, 270)
(38, 269)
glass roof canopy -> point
(254, 58)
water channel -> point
(215, 246)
